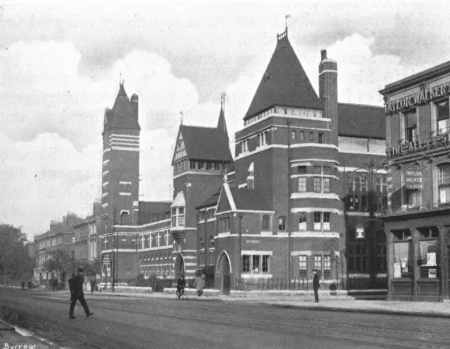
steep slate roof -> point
(211, 201)
(151, 211)
(358, 120)
(123, 114)
(284, 82)
(246, 199)
(206, 143)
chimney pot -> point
(323, 54)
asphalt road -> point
(122, 322)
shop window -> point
(302, 223)
(428, 258)
(317, 185)
(266, 223)
(282, 223)
(301, 184)
(444, 183)
(303, 266)
(402, 254)
(442, 117)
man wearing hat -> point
(76, 293)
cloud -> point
(52, 117)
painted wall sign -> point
(425, 95)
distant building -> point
(416, 226)
(60, 236)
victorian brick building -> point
(417, 124)
(303, 192)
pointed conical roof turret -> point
(284, 82)
(124, 112)
(221, 123)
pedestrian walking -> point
(200, 284)
(93, 285)
(181, 283)
(77, 294)
(316, 286)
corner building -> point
(292, 204)
(418, 220)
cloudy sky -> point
(60, 65)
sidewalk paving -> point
(16, 337)
(306, 301)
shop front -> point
(417, 255)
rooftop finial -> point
(284, 34)
(181, 117)
(286, 17)
(223, 97)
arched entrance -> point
(224, 273)
(179, 266)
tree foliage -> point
(15, 263)
(60, 261)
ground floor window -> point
(256, 263)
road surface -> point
(123, 322)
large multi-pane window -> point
(255, 263)
(303, 266)
(302, 223)
(224, 224)
(326, 267)
(177, 216)
(321, 221)
(302, 184)
(326, 185)
(442, 117)
(444, 183)
(317, 263)
(411, 126)
(317, 184)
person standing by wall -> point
(316, 286)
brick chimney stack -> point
(328, 92)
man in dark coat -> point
(181, 283)
(316, 286)
(76, 293)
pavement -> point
(340, 301)
(161, 321)
(14, 337)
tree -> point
(15, 263)
(61, 262)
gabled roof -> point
(237, 199)
(151, 211)
(211, 201)
(358, 120)
(205, 143)
(284, 82)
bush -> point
(333, 287)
